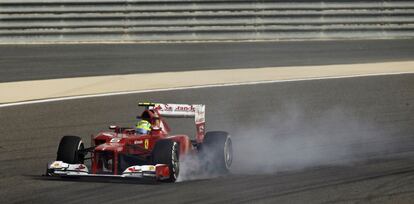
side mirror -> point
(113, 127)
(156, 128)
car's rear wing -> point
(178, 110)
(181, 111)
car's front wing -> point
(156, 172)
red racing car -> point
(124, 153)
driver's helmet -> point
(143, 127)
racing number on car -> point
(146, 142)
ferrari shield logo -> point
(146, 143)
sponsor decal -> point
(138, 142)
(146, 143)
(56, 165)
(134, 169)
(173, 108)
(185, 108)
(201, 128)
(115, 140)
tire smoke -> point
(195, 167)
(295, 139)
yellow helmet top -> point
(143, 124)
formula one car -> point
(123, 153)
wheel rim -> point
(175, 160)
(80, 157)
(228, 153)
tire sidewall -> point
(217, 152)
(167, 152)
(68, 150)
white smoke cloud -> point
(198, 166)
(191, 168)
(295, 138)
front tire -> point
(167, 152)
(68, 150)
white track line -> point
(193, 87)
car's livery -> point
(123, 153)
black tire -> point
(217, 152)
(168, 152)
(68, 150)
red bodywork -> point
(117, 150)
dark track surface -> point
(31, 62)
(376, 114)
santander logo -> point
(173, 108)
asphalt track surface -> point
(375, 113)
(32, 62)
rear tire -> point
(68, 150)
(217, 152)
(167, 152)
